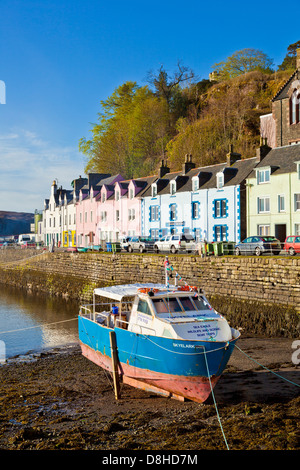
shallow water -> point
(34, 322)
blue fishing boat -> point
(159, 337)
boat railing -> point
(104, 311)
(142, 328)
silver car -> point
(141, 244)
(258, 245)
(176, 242)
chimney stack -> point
(188, 164)
(232, 156)
(263, 150)
(163, 170)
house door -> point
(280, 232)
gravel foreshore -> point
(62, 401)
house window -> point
(297, 202)
(173, 212)
(281, 203)
(220, 208)
(297, 229)
(220, 233)
(263, 230)
(154, 190)
(85, 216)
(263, 204)
(154, 213)
(103, 197)
(294, 107)
(195, 184)
(195, 210)
(80, 217)
(117, 195)
(131, 194)
(103, 216)
(117, 216)
(173, 187)
(91, 216)
(220, 180)
(263, 176)
(154, 233)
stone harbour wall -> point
(259, 294)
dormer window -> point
(195, 183)
(154, 190)
(103, 197)
(173, 187)
(117, 195)
(263, 175)
(131, 194)
(220, 180)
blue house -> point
(207, 202)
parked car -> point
(176, 242)
(258, 245)
(292, 244)
(141, 244)
(124, 242)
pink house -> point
(119, 213)
(87, 208)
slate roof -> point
(283, 92)
(282, 159)
(233, 175)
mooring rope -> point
(264, 367)
(215, 403)
(37, 326)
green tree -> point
(130, 135)
(289, 62)
(241, 62)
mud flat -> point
(61, 401)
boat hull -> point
(187, 369)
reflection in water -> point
(44, 322)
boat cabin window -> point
(160, 306)
(187, 303)
(170, 305)
(143, 307)
(173, 305)
(200, 303)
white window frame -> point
(220, 180)
(263, 175)
(195, 183)
(263, 230)
(260, 209)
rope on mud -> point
(213, 395)
(38, 326)
(264, 367)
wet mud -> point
(62, 401)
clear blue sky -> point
(59, 59)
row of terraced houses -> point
(227, 201)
